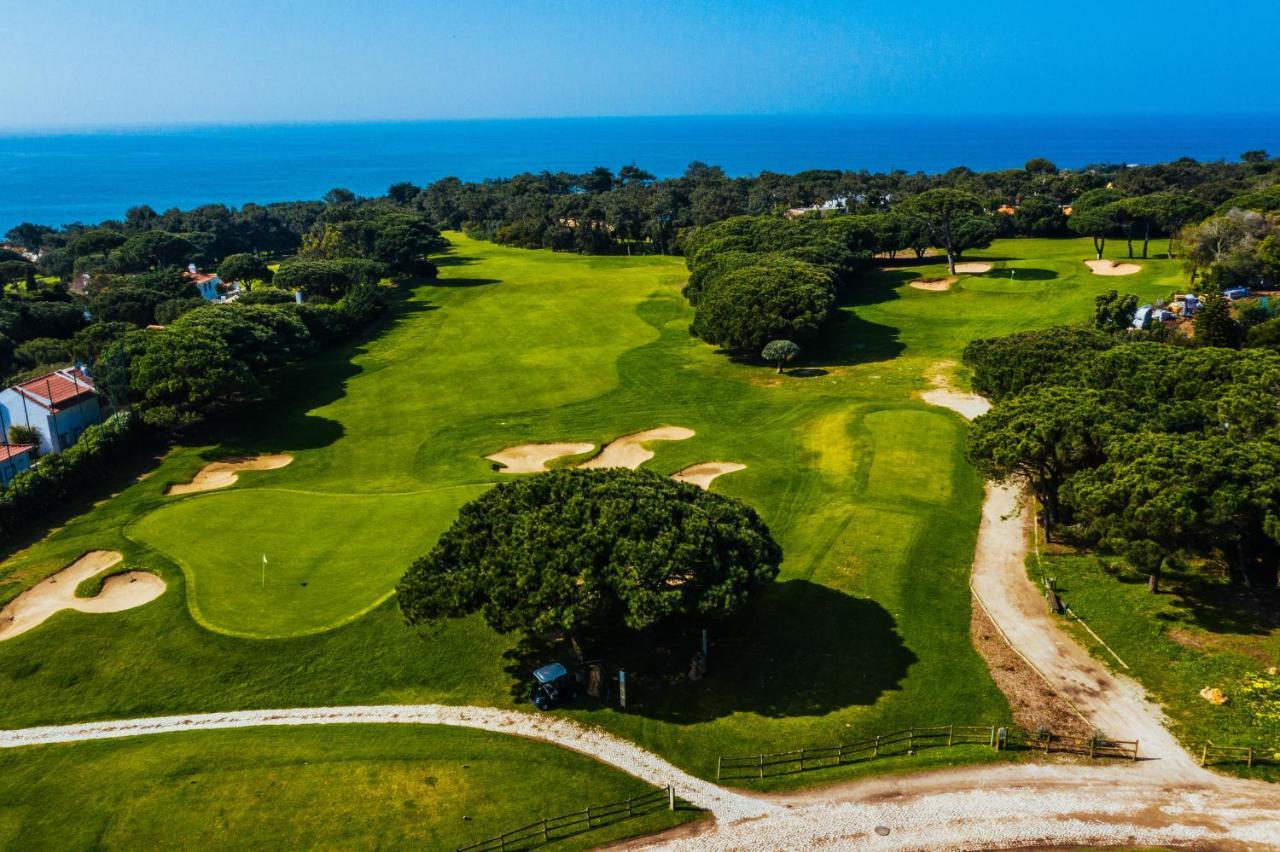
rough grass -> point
(865, 487)
(1198, 632)
(304, 788)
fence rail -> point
(549, 829)
(910, 740)
(1249, 755)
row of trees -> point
(1167, 455)
(629, 210)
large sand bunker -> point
(533, 458)
(220, 474)
(933, 284)
(1110, 267)
(703, 473)
(973, 268)
(629, 450)
(54, 594)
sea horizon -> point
(57, 176)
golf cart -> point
(553, 685)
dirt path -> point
(966, 808)
(1116, 705)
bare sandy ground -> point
(1111, 267)
(936, 285)
(703, 473)
(533, 458)
(967, 405)
(973, 268)
(629, 450)
(58, 592)
(220, 474)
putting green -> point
(323, 567)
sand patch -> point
(220, 474)
(703, 473)
(1110, 267)
(533, 458)
(973, 268)
(933, 284)
(967, 405)
(58, 592)
(629, 450)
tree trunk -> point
(1099, 244)
(1153, 583)
(779, 368)
(1146, 238)
(1129, 238)
(951, 262)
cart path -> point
(607, 748)
(1113, 703)
(966, 808)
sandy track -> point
(629, 450)
(603, 746)
(967, 808)
(220, 474)
(58, 592)
(1111, 267)
(533, 458)
(704, 473)
(1115, 704)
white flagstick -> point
(264, 570)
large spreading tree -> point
(948, 217)
(579, 553)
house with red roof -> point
(14, 459)
(59, 406)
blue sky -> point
(108, 62)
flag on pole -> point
(264, 570)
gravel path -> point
(1115, 704)
(601, 745)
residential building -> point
(14, 459)
(58, 406)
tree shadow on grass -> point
(1224, 608)
(799, 649)
(1020, 273)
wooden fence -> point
(1225, 754)
(566, 825)
(911, 740)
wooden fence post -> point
(1204, 754)
(1250, 757)
(951, 729)
(802, 760)
(761, 765)
(1135, 751)
(546, 838)
(671, 797)
(719, 766)
(840, 755)
(911, 739)
(877, 752)
(991, 740)
(1093, 741)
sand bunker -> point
(54, 594)
(973, 268)
(1110, 267)
(220, 474)
(702, 474)
(533, 458)
(934, 284)
(628, 451)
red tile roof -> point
(8, 451)
(57, 389)
(199, 277)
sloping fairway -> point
(300, 788)
(863, 484)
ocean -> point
(59, 178)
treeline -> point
(1166, 455)
(602, 211)
(135, 270)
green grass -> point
(865, 487)
(308, 788)
(1196, 633)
